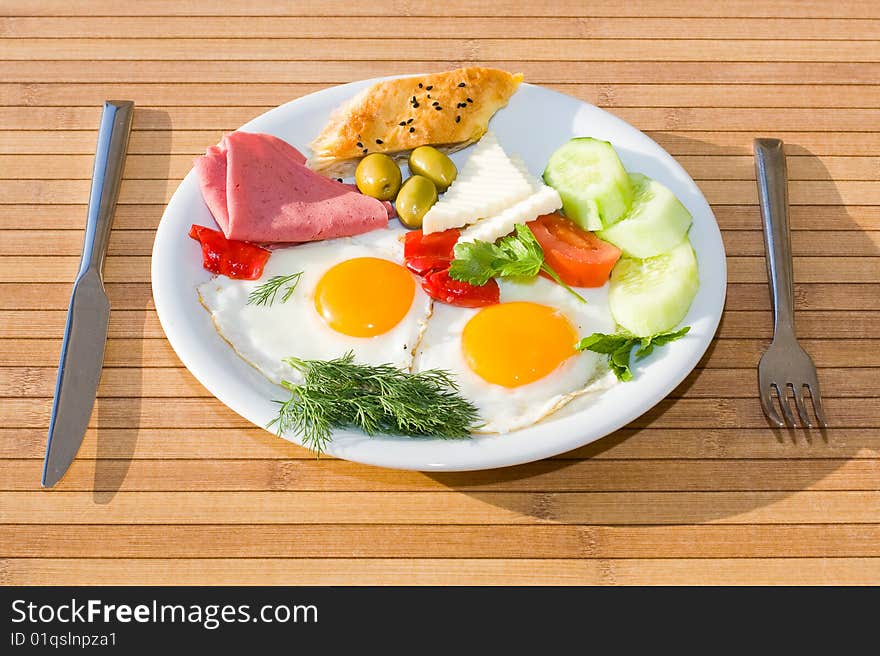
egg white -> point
(504, 409)
(265, 335)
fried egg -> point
(516, 361)
(353, 295)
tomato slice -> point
(579, 257)
(426, 253)
(441, 287)
(229, 257)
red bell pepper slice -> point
(426, 253)
(229, 257)
(439, 286)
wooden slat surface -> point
(498, 8)
(701, 167)
(652, 118)
(720, 192)
(697, 142)
(53, 94)
(543, 49)
(334, 71)
(428, 27)
(170, 486)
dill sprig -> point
(265, 294)
(340, 393)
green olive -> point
(416, 197)
(434, 165)
(378, 175)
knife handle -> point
(106, 178)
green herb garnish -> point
(265, 294)
(516, 255)
(374, 398)
(618, 348)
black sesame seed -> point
(415, 105)
(458, 119)
(469, 100)
(409, 121)
(461, 84)
(435, 103)
(412, 129)
(438, 108)
(402, 123)
(379, 141)
(429, 95)
(429, 87)
(420, 85)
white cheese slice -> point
(543, 200)
(488, 183)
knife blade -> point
(85, 334)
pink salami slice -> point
(258, 189)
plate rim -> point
(353, 448)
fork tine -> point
(767, 405)
(801, 406)
(783, 403)
(817, 403)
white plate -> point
(535, 122)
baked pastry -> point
(446, 110)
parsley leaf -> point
(525, 256)
(516, 255)
(618, 348)
(476, 262)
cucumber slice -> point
(653, 295)
(656, 223)
(591, 181)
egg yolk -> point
(365, 296)
(513, 344)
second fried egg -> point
(516, 360)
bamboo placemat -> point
(171, 487)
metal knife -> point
(82, 352)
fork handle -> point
(772, 179)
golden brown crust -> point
(396, 116)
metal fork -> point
(785, 366)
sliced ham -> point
(258, 189)
(211, 169)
